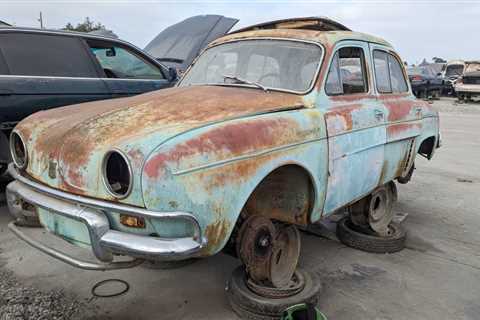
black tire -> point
(249, 305)
(347, 234)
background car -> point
(80, 67)
(425, 82)
(453, 71)
(74, 68)
(468, 85)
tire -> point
(249, 305)
(371, 242)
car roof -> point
(327, 38)
(84, 35)
(304, 23)
(67, 33)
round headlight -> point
(18, 150)
(117, 174)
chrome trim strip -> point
(106, 184)
(145, 247)
(248, 156)
(71, 260)
(12, 153)
(80, 78)
(105, 205)
(105, 242)
(96, 222)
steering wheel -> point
(271, 74)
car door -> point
(355, 126)
(403, 112)
(44, 71)
(126, 70)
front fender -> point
(211, 171)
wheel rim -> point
(284, 258)
(255, 247)
(380, 212)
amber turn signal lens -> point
(132, 221)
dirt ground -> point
(436, 277)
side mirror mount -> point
(172, 74)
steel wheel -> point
(255, 246)
(285, 256)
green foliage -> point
(86, 26)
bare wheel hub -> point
(254, 246)
(270, 253)
(380, 213)
(285, 256)
(375, 211)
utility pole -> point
(40, 19)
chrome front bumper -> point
(105, 242)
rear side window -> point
(389, 75)
(382, 74)
(399, 84)
(46, 55)
(347, 74)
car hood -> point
(178, 45)
(66, 146)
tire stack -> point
(257, 302)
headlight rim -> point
(106, 183)
(13, 154)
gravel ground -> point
(18, 301)
(451, 105)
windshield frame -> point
(305, 92)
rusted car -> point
(272, 128)
(468, 85)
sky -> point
(417, 28)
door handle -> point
(379, 114)
(5, 92)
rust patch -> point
(398, 128)
(398, 109)
(335, 126)
(383, 173)
(284, 195)
(72, 134)
(216, 234)
(229, 141)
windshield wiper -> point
(240, 80)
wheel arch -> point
(292, 198)
(427, 146)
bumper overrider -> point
(25, 196)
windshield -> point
(454, 70)
(263, 64)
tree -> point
(86, 26)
